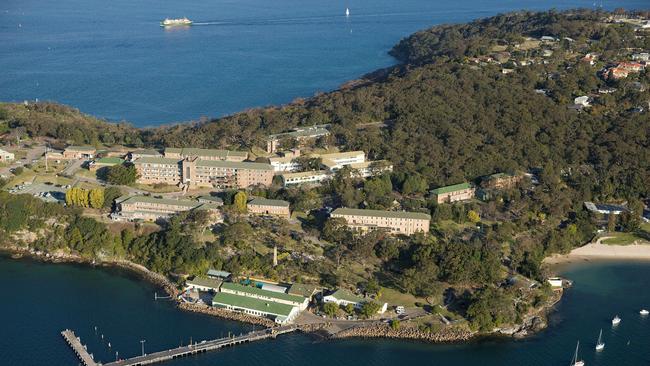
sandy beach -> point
(597, 250)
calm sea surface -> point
(111, 58)
(39, 300)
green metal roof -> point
(234, 165)
(152, 160)
(300, 289)
(205, 282)
(259, 292)
(164, 201)
(190, 151)
(267, 202)
(109, 161)
(453, 188)
(147, 152)
(269, 307)
(379, 213)
(307, 132)
(343, 294)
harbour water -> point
(39, 300)
(113, 60)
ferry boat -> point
(175, 22)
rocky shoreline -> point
(383, 330)
(225, 314)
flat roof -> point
(164, 201)
(340, 155)
(306, 132)
(380, 213)
(156, 160)
(452, 188)
(366, 164)
(80, 148)
(218, 273)
(234, 164)
(152, 152)
(211, 199)
(305, 174)
(267, 202)
(301, 289)
(259, 292)
(109, 161)
(269, 307)
(192, 151)
(205, 282)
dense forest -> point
(447, 120)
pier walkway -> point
(75, 343)
(183, 351)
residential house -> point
(6, 156)
(453, 193)
(394, 222)
(343, 297)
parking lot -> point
(46, 192)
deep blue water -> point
(39, 300)
(110, 58)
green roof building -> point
(453, 193)
(280, 313)
(257, 293)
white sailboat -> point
(616, 320)
(600, 345)
(347, 12)
(644, 312)
(575, 361)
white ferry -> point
(175, 22)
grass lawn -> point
(394, 297)
(618, 238)
(152, 189)
(51, 178)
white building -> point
(6, 156)
(336, 161)
(583, 101)
(203, 284)
(344, 297)
(313, 177)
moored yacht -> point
(616, 320)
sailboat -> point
(600, 345)
(616, 320)
(644, 312)
(575, 361)
(347, 12)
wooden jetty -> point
(79, 349)
(204, 346)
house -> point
(616, 73)
(631, 66)
(263, 206)
(582, 101)
(605, 208)
(6, 156)
(643, 56)
(501, 181)
(104, 163)
(300, 302)
(217, 274)
(590, 58)
(203, 284)
(79, 152)
(205, 154)
(343, 297)
(278, 312)
(453, 193)
(555, 282)
(606, 90)
(313, 177)
(393, 222)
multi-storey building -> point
(501, 180)
(313, 177)
(336, 161)
(394, 222)
(153, 209)
(205, 154)
(263, 206)
(454, 193)
(300, 134)
(196, 172)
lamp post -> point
(142, 343)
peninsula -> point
(417, 202)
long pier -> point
(170, 354)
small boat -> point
(575, 361)
(616, 320)
(644, 312)
(347, 12)
(175, 22)
(600, 345)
